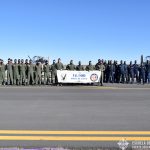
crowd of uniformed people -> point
(20, 72)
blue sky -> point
(75, 29)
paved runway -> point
(71, 109)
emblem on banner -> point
(63, 76)
(94, 77)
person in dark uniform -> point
(111, 71)
(106, 75)
(121, 72)
(142, 70)
(131, 72)
(126, 72)
(136, 69)
(148, 72)
(117, 74)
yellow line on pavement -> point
(70, 138)
(34, 132)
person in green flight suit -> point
(100, 66)
(89, 67)
(9, 72)
(22, 73)
(19, 63)
(53, 73)
(59, 66)
(38, 73)
(30, 69)
(46, 69)
(71, 66)
(79, 67)
(2, 72)
(15, 72)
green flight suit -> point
(58, 66)
(15, 73)
(70, 67)
(89, 68)
(101, 68)
(22, 73)
(53, 74)
(9, 74)
(38, 71)
(19, 73)
(79, 68)
(2, 74)
(30, 69)
(46, 69)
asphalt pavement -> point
(72, 108)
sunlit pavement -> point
(95, 116)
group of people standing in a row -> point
(127, 73)
(20, 72)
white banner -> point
(65, 76)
